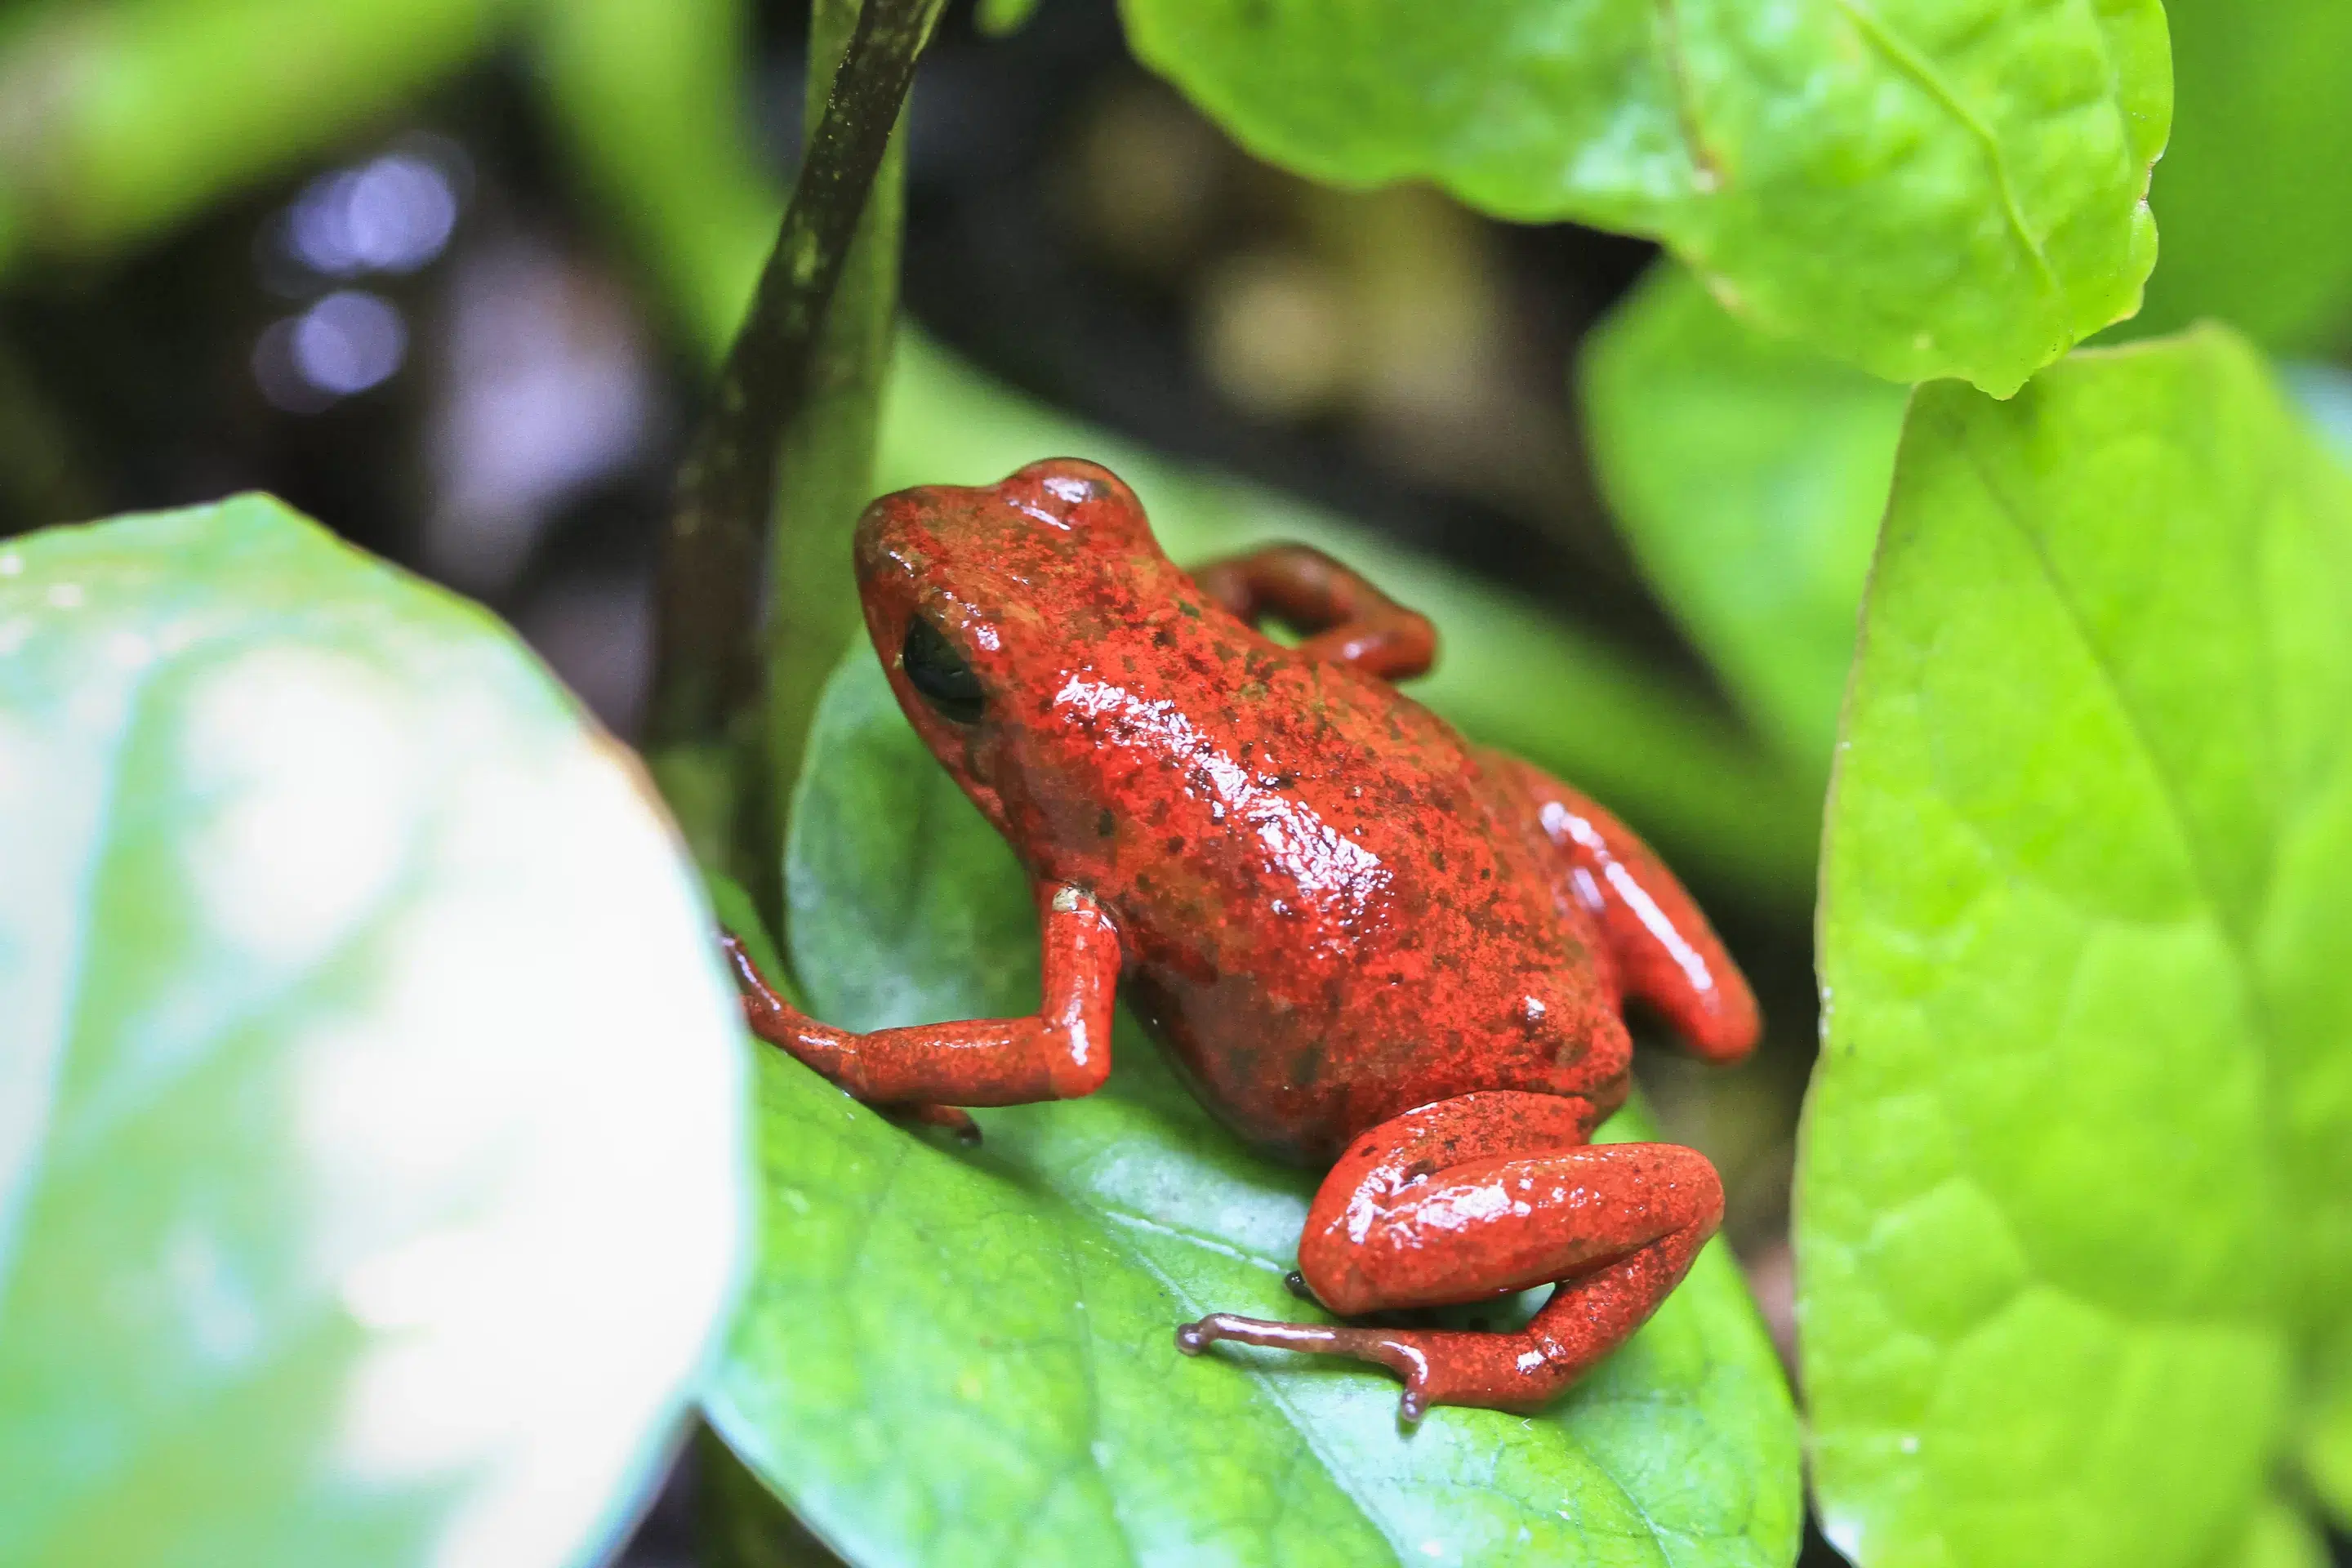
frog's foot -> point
(954, 1119)
(1440, 1366)
(1401, 1351)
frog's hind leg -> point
(1477, 1197)
(1665, 953)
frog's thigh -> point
(1474, 1198)
(1467, 1199)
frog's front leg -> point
(1061, 1052)
(1350, 621)
(1476, 1198)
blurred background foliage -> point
(448, 274)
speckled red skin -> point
(1367, 944)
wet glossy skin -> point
(1368, 945)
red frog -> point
(1370, 946)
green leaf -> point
(2323, 1444)
(2276, 1535)
(2325, 1441)
(1507, 672)
(951, 1356)
(646, 99)
(1749, 475)
(2077, 1180)
(1924, 190)
(371, 1102)
(2252, 232)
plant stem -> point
(707, 671)
(828, 477)
(40, 483)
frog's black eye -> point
(936, 670)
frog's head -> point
(984, 601)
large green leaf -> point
(2325, 1438)
(2077, 1182)
(2256, 230)
(370, 1104)
(1508, 673)
(2276, 1535)
(1926, 189)
(1749, 475)
(951, 1356)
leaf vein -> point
(1907, 61)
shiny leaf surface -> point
(2075, 1198)
(1922, 188)
(371, 1103)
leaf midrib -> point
(2167, 789)
(2258, 1014)
(1267, 1383)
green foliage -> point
(123, 118)
(2251, 232)
(2077, 1223)
(2076, 1187)
(949, 1356)
(644, 98)
(1924, 190)
(371, 1139)
(2276, 1536)
(1749, 475)
(2327, 1435)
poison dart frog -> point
(1368, 945)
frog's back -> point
(1335, 909)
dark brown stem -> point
(707, 654)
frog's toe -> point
(954, 1119)
(1498, 1370)
(1195, 1337)
(1401, 1353)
